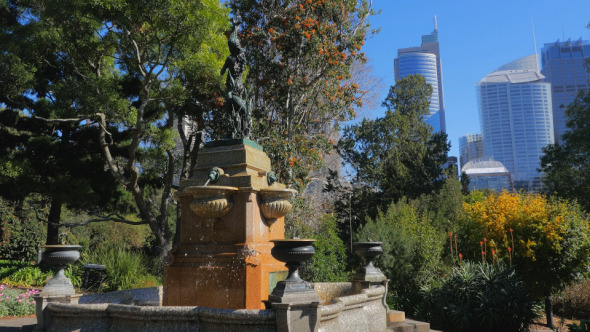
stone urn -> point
(275, 203)
(59, 257)
(211, 201)
(293, 252)
(368, 251)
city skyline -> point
(475, 38)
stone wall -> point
(120, 317)
(363, 312)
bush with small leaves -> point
(479, 297)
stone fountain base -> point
(342, 309)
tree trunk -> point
(549, 311)
(53, 224)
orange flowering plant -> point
(547, 239)
(300, 55)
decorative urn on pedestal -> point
(293, 252)
(59, 256)
(368, 251)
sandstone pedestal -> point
(225, 261)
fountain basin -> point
(275, 203)
(210, 201)
(361, 311)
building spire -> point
(435, 24)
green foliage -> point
(124, 269)
(8, 267)
(412, 247)
(565, 168)
(444, 206)
(300, 54)
(329, 262)
(573, 301)
(398, 155)
(479, 297)
(465, 182)
(15, 302)
(104, 85)
(30, 276)
(583, 327)
(21, 233)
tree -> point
(566, 168)
(300, 54)
(397, 155)
(59, 159)
(135, 73)
(465, 182)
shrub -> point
(583, 327)
(573, 301)
(21, 233)
(479, 297)
(15, 302)
(411, 246)
(412, 250)
(549, 240)
(124, 269)
(30, 276)
(329, 262)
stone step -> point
(409, 325)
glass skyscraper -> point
(516, 119)
(564, 67)
(425, 60)
(470, 148)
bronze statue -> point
(236, 96)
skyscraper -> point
(425, 60)
(564, 67)
(516, 118)
(470, 148)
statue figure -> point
(236, 96)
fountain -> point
(232, 269)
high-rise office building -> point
(470, 148)
(564, 67)
(425, 60)
(516, 118)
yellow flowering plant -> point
(547, 239)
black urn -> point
(368, 251)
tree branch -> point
(110, 217)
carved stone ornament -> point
(211, 201)
(275, 203)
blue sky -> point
(475, 38)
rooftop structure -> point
(488, 174)
(470, 148)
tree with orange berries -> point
(299, 55)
